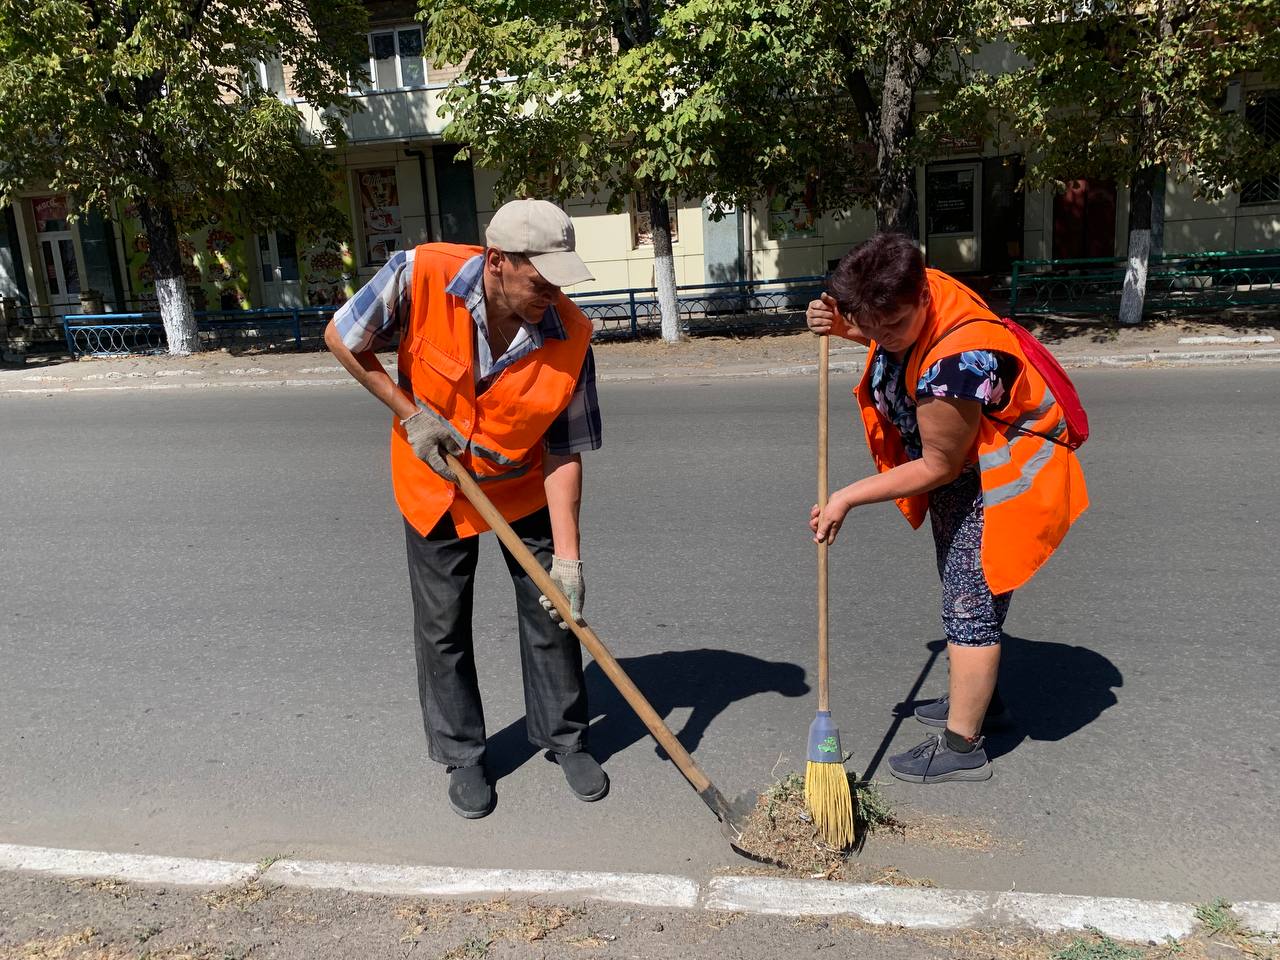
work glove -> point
(567, 575)
(429, 435)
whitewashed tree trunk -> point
(175, 314)
(171, 287)
(1134, 294)
(664, 267)
(1135, 277)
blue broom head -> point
(824, 740)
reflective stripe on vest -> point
(521, 467)
(998, 495)
(1019, 425)
(1002, 455)
(1018, 432)
(406, 384)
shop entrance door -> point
(57, 252)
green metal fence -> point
(1182, 282)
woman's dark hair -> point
(878, 276)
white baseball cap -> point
(542, 232)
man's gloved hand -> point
(567, 575)
(428, 435)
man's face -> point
(521, 286)
(900, 327)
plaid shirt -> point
(371, 319)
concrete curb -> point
(912, 907)
(1258, 915)
(1175, 358)
(134, 867)
(169, 387)
(1122, 918)
(654, 890)
(249, 378)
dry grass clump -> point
(525, 923)
(940, 831)
(241, 895)
(781, 832)
(88, 944)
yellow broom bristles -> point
(826, 793)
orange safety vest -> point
(1032, 488)
(502, 430)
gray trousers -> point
(442, 569)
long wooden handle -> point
(824, 351)
(612, 669)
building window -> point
(950, 201)
(278, 256)
(1263, 115)
(379, 213)
(642, 221)
(395, 59)
(270, 76)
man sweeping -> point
(494, 367)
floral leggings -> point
(971, 616)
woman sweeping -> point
(961, 426)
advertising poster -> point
(380, 212)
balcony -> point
(388, 115)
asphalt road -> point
(205, 649)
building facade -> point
(401, 185)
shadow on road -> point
(1051, 689)
(708, 681)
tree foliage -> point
(731, 99)
(158, 102)
(1123, 89)
(1112, 89)
(572, 98)
(604, 98)
(832, 88)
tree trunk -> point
(1135, 275)
(664, 265)
(896, 206)
(1157, 212)
(171, 286)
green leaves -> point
(1137, 85)
(115, 100)
(615, 97)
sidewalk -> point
(262, 914)
(44, 919)
(1075, 345)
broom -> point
(826, 785)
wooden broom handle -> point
(644, 710)
(824, 351)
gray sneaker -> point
(934, 713)
(934, 762)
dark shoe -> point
(934, 762)
(935, 713)
(584, 776)
(470, 793)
